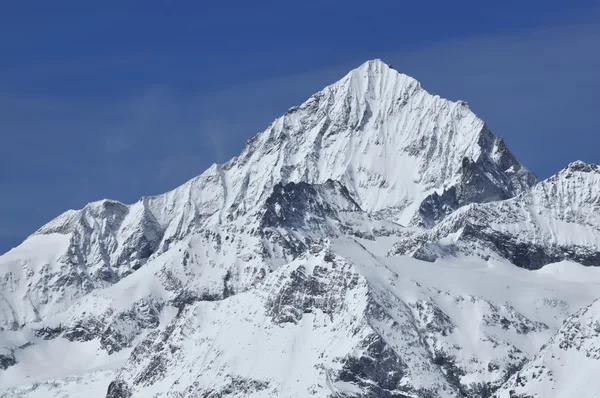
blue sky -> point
(127, 101)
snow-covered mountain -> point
(567, 365)
(296, 268)
(557, 220)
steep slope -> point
(390, 142)
(557, 220)
(78, 252)
(567, 365)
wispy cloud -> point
(179, 168)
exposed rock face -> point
(283, 272)
(115, 330)
(7, 358)
(481, 181)
(118, 389)
(557, 220)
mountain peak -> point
(582, 166)
(374, 65)
(376, 80)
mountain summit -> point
(390, 142)
(369, 242)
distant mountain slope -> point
(567, 365)
(558, 219)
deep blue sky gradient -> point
(123, 101)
